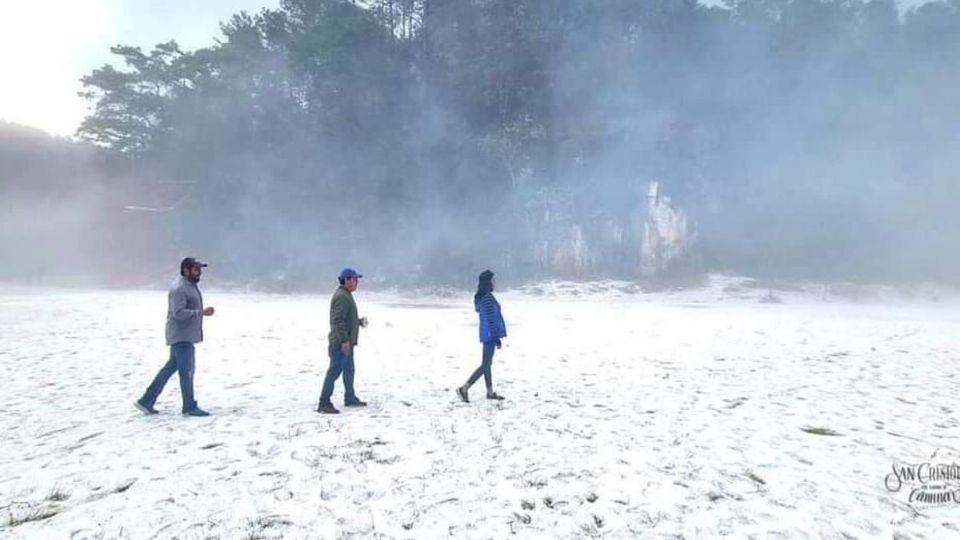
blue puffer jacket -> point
(492, 326)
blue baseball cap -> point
(348, 273)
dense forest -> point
(425, 140)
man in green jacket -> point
(344, 330)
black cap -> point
(190, 262)
(486, 275)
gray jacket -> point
(184, 312)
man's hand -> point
(363, 322)
(208, 311)
(499, 344)
(346, 347)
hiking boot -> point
(196, 412)
(144, 408)
(354, 403)
(494, 396)
(327, 408)
(462, 392)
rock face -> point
(666, 236)
(570, 245)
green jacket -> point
(344, 320)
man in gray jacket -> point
(185, 313)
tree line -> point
(429, 138)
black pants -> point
(486, 368)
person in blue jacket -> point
(492, 330)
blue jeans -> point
(486, 367)
(339, 363)
(182, 360)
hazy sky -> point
(47, 45)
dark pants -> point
(339, 363)
(182, 361)
(486, 368)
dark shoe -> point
(354, 403)
(327, 408)
(145, 409)
(197, 412)
(494, 396)
(462, 392)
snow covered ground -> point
(692, 415)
